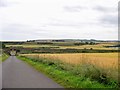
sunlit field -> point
(99, 47)
(104, 60)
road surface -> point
(18, 74)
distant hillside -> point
(71, 40)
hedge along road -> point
(18, 74)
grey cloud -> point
(5, 3)
(105, 9)
(14, 27)
(58, 22)
(2, 4)
(74, 8)
(20, 31)
(63, 23)
(109, 20)
(106, 21)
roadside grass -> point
(3, 57)
(70, 76)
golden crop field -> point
(25, 46)
(100, 46)
(29, 46)
(104, 60)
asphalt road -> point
(18, 74)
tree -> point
(86, 43)
(92, 43)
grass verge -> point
(4, 57)
(65, 78)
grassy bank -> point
(4, 57)
(70, 76)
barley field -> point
(102, 67)
(104, 60)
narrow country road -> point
(18, 74)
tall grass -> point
(107, 60)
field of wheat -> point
(100, 46)
(104, 60)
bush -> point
(2, 45)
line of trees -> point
(85, 43)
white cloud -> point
(31, 19)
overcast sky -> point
(58, 19)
